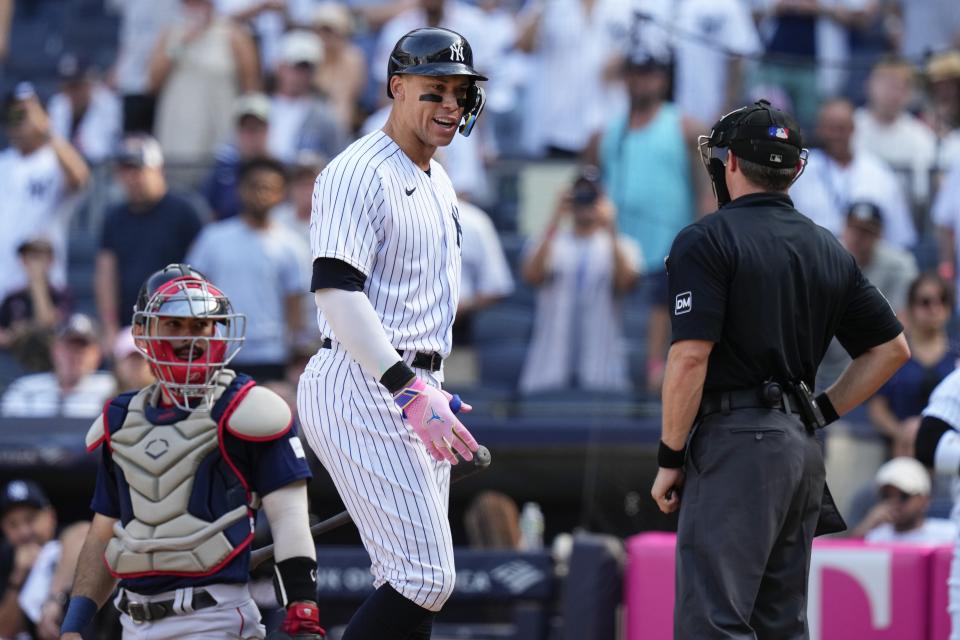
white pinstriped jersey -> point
(374, 209)
(944, 405)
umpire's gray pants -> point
(749, 509)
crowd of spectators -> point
(211, 119)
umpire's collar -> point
(762, 199)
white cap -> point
(301, 46)
(906, 474)
(252, 104)
(334, 16)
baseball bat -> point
(464, 469)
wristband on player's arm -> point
(295, 580)
(397, 377)
(79, 615)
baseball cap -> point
(22, 492)
(139, 151)
(252, 104)
(906, 474)
(334, 16)
(944, 66)
(866, 212)
(586, 186)
(78, 326)
(647, 58)
(72, 68)
(760, 133)
(301, 46)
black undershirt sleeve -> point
(330, 273)
(928, 437)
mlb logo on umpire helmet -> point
(683, 303)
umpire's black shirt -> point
(771, 289)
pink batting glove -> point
(430, 414)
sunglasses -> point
(931, 301)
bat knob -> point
(456, 403)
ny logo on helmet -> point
(456, 52)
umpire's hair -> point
(768, 178)
(261, 163)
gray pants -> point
(749, 509)
(235, 617)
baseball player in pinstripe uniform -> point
(386, 238)
(938, 446)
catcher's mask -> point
(758, 133)
(188, 332)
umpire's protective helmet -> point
(431, 51)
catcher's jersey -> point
(374, 209)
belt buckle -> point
(138, 612)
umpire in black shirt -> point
(758, 291)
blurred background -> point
(126, 124)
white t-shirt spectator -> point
(703, 35)
(39, 396)
(567, 97)
(578, 326)
(483, 267)
(141, 23)
(269, 25)
(907, 145)
(32, 204)
(98, 133)
(933, 531)
(826, 190)
(257, 269)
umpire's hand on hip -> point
(430, 414)
(666, 489)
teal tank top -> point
(647, 175)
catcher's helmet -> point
(431, 51)
(186, 365)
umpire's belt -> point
(141, 612)
(422, 360)
(726, 401)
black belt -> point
(141, 612)
(725, 401)
(422, 360)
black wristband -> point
(827, 409)
(397, 377)
(295, 580)
(670, 458)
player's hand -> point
(302, 622)
(666, 489)
(431, 414)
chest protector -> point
(159, 463)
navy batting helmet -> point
(431, 51)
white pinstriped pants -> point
(395, 492)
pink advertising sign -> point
(868, 592)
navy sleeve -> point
(697, 273)
(277, 463)
(330, 273)
(105, 498)
(109, 239)
(868, 320)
